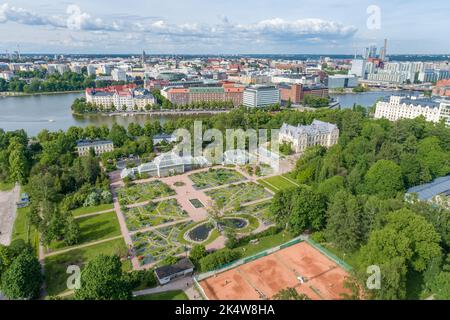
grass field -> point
(238, 194)
(215, 178)
(56, 266)
(141, 192)
(264, 243)
(94, 228)
(168, 295)
(277, 183)
(24, 230)
(153, 214)
(6, 186)
(87, 210)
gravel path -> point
(8, 210)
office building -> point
(261, 96)
(296, 92)
(342, 81)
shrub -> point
(218, 259)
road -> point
(8, 211)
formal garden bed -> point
(214, 178)
(141, 192)
(153, 214)
(158, 244)
(260, 210)
(235, 195)
(196, 203)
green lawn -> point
(168, 295)
(86, 210)
(6, 186)
(277, 183)
(264, 244)
(94, 228)
(24, 230)
(56, 266)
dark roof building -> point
(180, 269)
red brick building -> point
(296, 92)
(442, 88)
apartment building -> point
(120, 97)
(402, 107)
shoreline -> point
(149, 113)
(7, 94)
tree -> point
(308, 210)
(384, 179)
(290, 294)
(17, 162)
(407, 242)
(102, 279)
(299, 208)
(344, 222)
(118, 135)
(390, 251)
(23, 279)
(424, 240)
(440, 286)
(198, 251)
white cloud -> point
(270, 30)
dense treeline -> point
(352, 195)
(40, 81)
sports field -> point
(265, 277)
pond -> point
(201, 232)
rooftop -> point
(90, 143)
(432, 189)
(180, 266)
(316, 127)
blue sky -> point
(225, 26)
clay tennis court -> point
(263, 278)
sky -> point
(225, 26)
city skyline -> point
(198, 27)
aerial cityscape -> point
(283, 152)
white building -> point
(128, 98)
(358, 68)
(119, 74)
(301, 137)
(261, 96)
(402, 107)
(99, 147)
(166, 164)
(91, 69)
